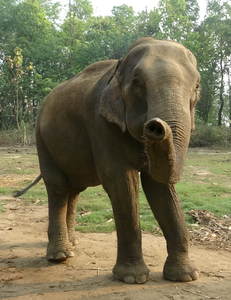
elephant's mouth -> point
(165, 164)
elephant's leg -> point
(71, 214)
(59, 247)
(166, 207)
(123, 192)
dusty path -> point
(26, 274)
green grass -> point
(94, 211)
(206, 184)
(96, 203)
(19, 163)
(35, 194)
(212, 198)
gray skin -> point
(104, 126)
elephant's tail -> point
(21, 192)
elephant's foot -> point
(72, 238)
(180, 270)
(131, 273)
(59, 251)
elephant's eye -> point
(136, 82)
(138, 87)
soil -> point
(26, 274)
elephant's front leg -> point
(166, 207)
(123, 192)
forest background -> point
(43, 44)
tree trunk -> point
(17, 107)
(222, 70)
(72, 40)
(229, 96)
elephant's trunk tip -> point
(155, 130)
(161, 151)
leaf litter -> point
(210, 230)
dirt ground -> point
(26, 274)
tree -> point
(175, 22)
(24, 25)
(7, 27)
(18, 73)
(125, 23)
(78, 14)
(52, 11)
(192, 11)
(148, 23)
(219, 25)
(207, 68)
(109, 37)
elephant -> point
(114, 124)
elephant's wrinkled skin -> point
(111, 121)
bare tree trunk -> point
(72, 39)
(222, 70)
(229, 96)
(17, 108)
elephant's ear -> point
(192, 58)
(111, 104)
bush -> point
(211, 136)
(203, 136)
(14, 137)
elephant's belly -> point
(83, 177)
(80, 170)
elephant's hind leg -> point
(59, 246)
(71, 214)
(57, 185)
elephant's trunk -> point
(165, 162)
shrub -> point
(211, 136)
(13, 137)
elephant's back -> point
(86, 80)
(95, 71)
(75, 93)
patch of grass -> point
(5, 191)
(209, 197)
(94, 212)
(206, 184)
(35, 194)
(19, 163)
(147, 219)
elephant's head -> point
(152, 95)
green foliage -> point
(216, 41)
(18, 73)
(192, 11)
(61, 47)
(210, 136)
(175, 22)
(148, 23)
